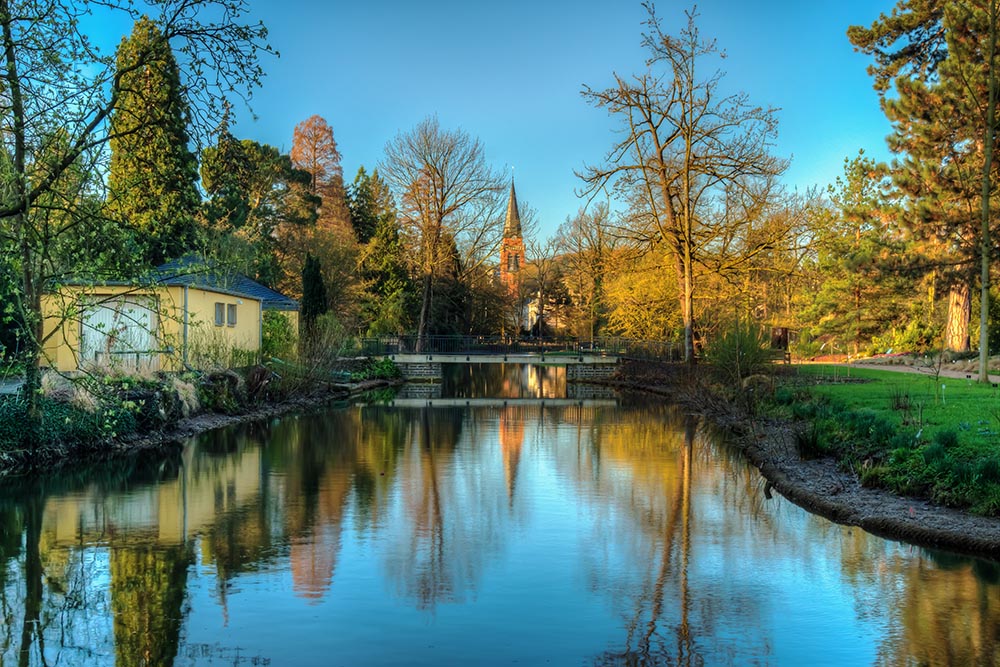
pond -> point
(517, 519)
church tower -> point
(512, 246)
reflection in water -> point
(503, 381)
(590, 533)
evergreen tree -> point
(256, 199)
(363, 207)
(392, 293)
(313, 293)
(153, 172)
(938, 59)
(862, 294)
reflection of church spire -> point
(511, 441)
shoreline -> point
(819, 485)
(46, 460)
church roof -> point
(512, 226)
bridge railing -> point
(482, 345)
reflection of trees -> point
(147, 592)
(667, 508)
(31, 629)
(513, 380)
(943, 615)
(653, 468)
(453, 496)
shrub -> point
(989, 470)
(278, 336)
(382, 369)
(810, 442)
(739, 351)
(221, 391)
(946, 438)
(784, 396)
(899, 399)
(187, 396)
(326, 341)
(934, 452)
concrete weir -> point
(579, 367)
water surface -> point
(533, 530)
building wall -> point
(210, 343)
(63, 324)
(512, 258)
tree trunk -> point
(425, 311)
(956, 332)
(688, 310)
(986, 248)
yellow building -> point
(188, 315)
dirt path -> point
(947, 371)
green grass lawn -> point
(914, 399)
(909, 432)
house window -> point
(231, 314)
(220, 314)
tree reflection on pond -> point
(590, 533)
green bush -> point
(934, 453)
(917, 336)
(62, 424)
(381, 369)
(989, 470)
(784, 396)
(811, 442)
(278, 336)
(741, 350)
(946, 438)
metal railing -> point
(484, 345)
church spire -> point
(512, 226)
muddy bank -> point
(818, 485)
(49, 458)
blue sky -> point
(511, 73)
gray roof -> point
(194, 271)
(512, 226)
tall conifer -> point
(313, 293)
(153, 172)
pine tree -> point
(392, 295)
(363, 207)
(153, 172)
(863, 294)
(313, 294)
(939, 58)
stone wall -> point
(578, 372)
(422, 371)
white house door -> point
(120, 333)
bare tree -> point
(687, 148)
(542, 257)
(588, 241)
(451, 202)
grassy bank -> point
(96, 414)
(917, 434)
